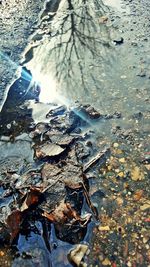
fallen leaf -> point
(14, 221)
(64, 213)
(49, 150)
(33, 197)
(49, 216)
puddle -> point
(79, 55)
(117, 5)
(113, 3)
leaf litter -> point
(57, 189)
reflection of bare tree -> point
(78, 40)
(73, 46)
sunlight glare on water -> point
(48, 86)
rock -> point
(120, 175)
(103, 19)
(136, 174)
(76, 255)
(146, 160)
(147, 167)
(81, 115)
(106, 262)
(138, 195)
(119, 41)
(146, 206)
(129, 264)
(137, 115)
(122, 160)
(91, 112)
(117, 115)
(145, 240)
(104, 228)
(119, 201)
(115, 145)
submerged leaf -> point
(14, 221)
(32, 198)
(65, 213)
(49, 150)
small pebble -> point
(122, 160)
(106, 262)
(115, 145)
(145, 240)
(104, 228)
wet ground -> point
(18, 20)
(75, 179)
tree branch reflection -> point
(77, 42)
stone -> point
(147, 167)
(104, 228)
(106, 262)
(119, 201)
(76, 255)
(103, 19)
(136, 174)
(145, 240)
(121, 174)
(115, 145)
(146, 206)
(122, 160)
(119, 41)
(137, 196)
